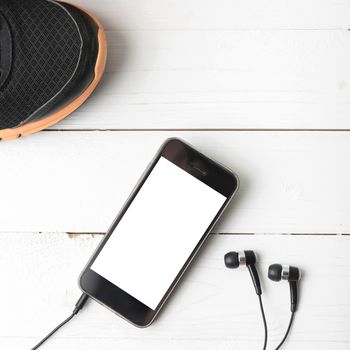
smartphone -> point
(161, 227)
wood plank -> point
(169, 344)
(221, 79)
(213, 308)
(222, 14)
(112, 344)
(291, 182)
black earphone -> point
(248, 258)
(291, 274)
(233, 260)
(277, 272)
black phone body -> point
(161, 227)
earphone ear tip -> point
(231, 260)
(275, 272)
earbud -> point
(291, 274)
(233, 260)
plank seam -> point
(196, 129)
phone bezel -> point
(198, 165)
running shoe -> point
(52, 56)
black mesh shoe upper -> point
(53, 52)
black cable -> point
(288, 330)
(78, 306)
(264, 320)
(53, 332)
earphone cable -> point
(78, 306)
(287, 332)
(264, 320)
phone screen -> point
(158, 233)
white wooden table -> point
(260, 85)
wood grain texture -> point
(291, 182)
(222, 14)
(228, 66)
(213, 308)
(221, 79)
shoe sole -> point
(31, 128)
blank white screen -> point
(158, 233)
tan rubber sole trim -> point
(30, 128)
